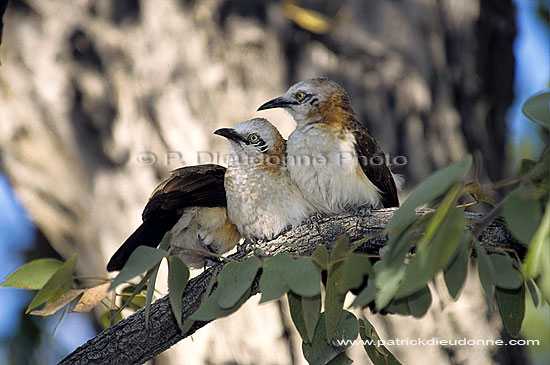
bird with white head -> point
(262, 199)
(332, 157)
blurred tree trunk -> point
(90, 90)
(432, 79)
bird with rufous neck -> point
(331, 156)
(262, 199)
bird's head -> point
(312, 100)
(256, 140)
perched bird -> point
(191, 204)
(331, 156)
(262, 199)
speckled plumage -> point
(262, 200)
(334, 160)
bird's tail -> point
(150, 233)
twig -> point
(486, 220)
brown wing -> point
(373, 163)
(193, 186)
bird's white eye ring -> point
(253, 138)
(300, 95)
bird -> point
(191, 204)
(262, 199)
(331, 156)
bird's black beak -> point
(279, 102)
(230, 134)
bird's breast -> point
(262, 203)
(325, 167)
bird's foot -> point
(314, 218)
(247, 246)
(364, 210)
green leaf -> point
(178, 275)
(321, 352)
(143, 259)
(511, 304)
(432, 187)
(533, 291)
(311, 310)
(235, 279)
(302, 278)
(106, 318)
(149, 294)
(356, 268)
(135, 303)
(297, 315)
(399, 306)
(67, 285)
(435, 250)
(378, 354)
(61, 317)
(537, 262)
(398, 247)
(187, 325)
(134, 299)
(341, 248)
(165, 242)
(506, 276)
(367, 295)
(33, 275)
(335, 293)
(442, 215)
(272, 285)
(209, 309)
(341, 359)
(420, 302)
(391, 279)
(486, 273)
(537, 109)
(522, 212)
(390, 269)
(456, 272)
(58, 284)
(320, 258)
(347, 330)
(334, 302)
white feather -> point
(336, 182)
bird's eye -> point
(300, 95)
(253, 138)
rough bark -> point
(129, 342)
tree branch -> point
(129, 342)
